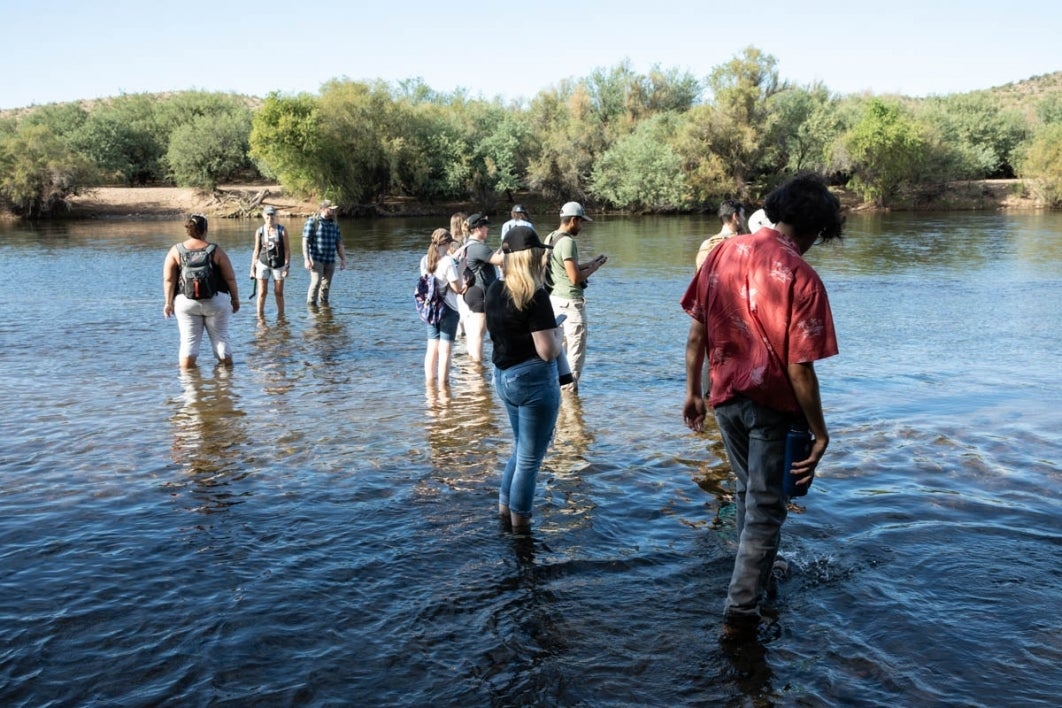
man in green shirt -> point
(569, 278)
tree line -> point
(663, 141)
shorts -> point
(475, 298)
(262, 272)
(446, 330)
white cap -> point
(758, 220)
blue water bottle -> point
(797, 447)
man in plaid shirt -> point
(321, 244)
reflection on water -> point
(209, 439)
(315, 526)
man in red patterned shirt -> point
(761, 313)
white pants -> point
(193, 316)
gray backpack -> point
(199, 279)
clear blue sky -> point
(63, 50)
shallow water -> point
(316, 527)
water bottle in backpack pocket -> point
(198, 274)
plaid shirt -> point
(322, 239)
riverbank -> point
(233, 201)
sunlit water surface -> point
(316, 527)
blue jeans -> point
(754, 436)
(446, 329)
(531, 395)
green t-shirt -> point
(564, 249)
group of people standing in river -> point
(519, 294)
(199, 281)
(760, 318)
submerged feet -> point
(511, 521)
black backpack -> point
(199, 280)
(547, 274)
(271, 252)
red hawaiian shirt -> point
(763, 307)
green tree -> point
(572, 125)
(727, 145)
(286, 140)
(38, 170)
(63, 120)
(122, 138)
(980, 132)
(359, 123)
(1049, 108)
(494, 159)
(1041, 164)
(209, 149)
(561, 133)
(173, 111)
(806, 123)
(886, 152)
(642, 172)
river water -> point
(316, 527)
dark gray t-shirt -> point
(478, 256)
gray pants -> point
(754, 437)
(320, 283)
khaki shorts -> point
(262, 272)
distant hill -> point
(1031, 90)
(1014, 94)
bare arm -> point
(229, 276)
(169, 281)
(342, 255)
(257, 247)
(547, 343)
(579, 272)
(702, 254)
(806, 387)
(694, 409)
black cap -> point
(521, 238)
(518, 209)
(477, 220)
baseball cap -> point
(327, 204)
(574, 209)
(477, 220)
(518, 209)
(521, 238)
(758, 220)
(269, 210)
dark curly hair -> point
(806, 203)
(196, 226)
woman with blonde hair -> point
(527, 343)
(439, 263)
(459, 230)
